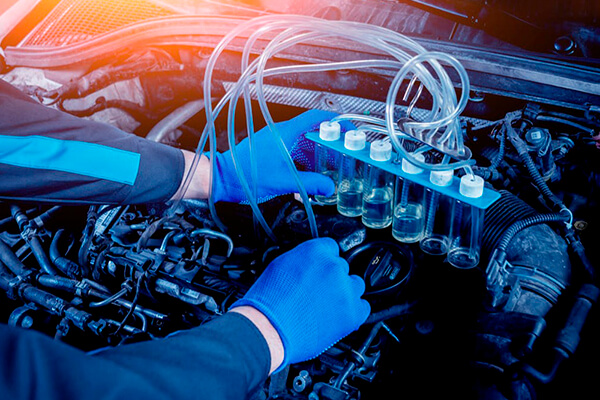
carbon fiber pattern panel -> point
(74, 21)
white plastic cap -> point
(355, 140)
(329, 131)
(471, 186)
(411, 168)
(441, 178)
(381, 150)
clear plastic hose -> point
(408, 58)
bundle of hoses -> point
(440, 129)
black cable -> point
(137, 112)
(109, 300)
(392, 312)
(580, 120)
(518, 226)
(569, 123)
(133, 303)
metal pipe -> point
(175, 120)
(109, 300)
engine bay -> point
(519, 324)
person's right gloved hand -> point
(309, 297)
(274, 175)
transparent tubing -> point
(306, 68)
(274, 22)
(403, 136)
(259, 88)
(210, 128)
(274, 47)
(231, 131)
(272, 72)
(286, 23)
(402, 56)
(246, 79)
(448, 119)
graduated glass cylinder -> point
(467, 227)
(409, 205)
(438, 214)
(327, 161)
(438, 222)
(409, 211)
(378, 198)
(350, 186)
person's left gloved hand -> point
(310, 298)
(274, 175)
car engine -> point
(520, 111)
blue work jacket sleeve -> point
(226, 358)
(51, 156)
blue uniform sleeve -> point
(48, 155)
(226, 358)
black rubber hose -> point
(4, 271)
(10, 259)
(4, 283)
(567, 339)
(65, 265)
(40, 255)
(32, 294)
(44, 299)
(518, 226)
(392, 312)
(565, 116)
(59, 283)
(42, 219)
(33, 241)
(572, 124)
(578, 249)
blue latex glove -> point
(274, 175)
(310, 299)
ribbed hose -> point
(498, 218)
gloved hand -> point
(274, 176)
(309, 298)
